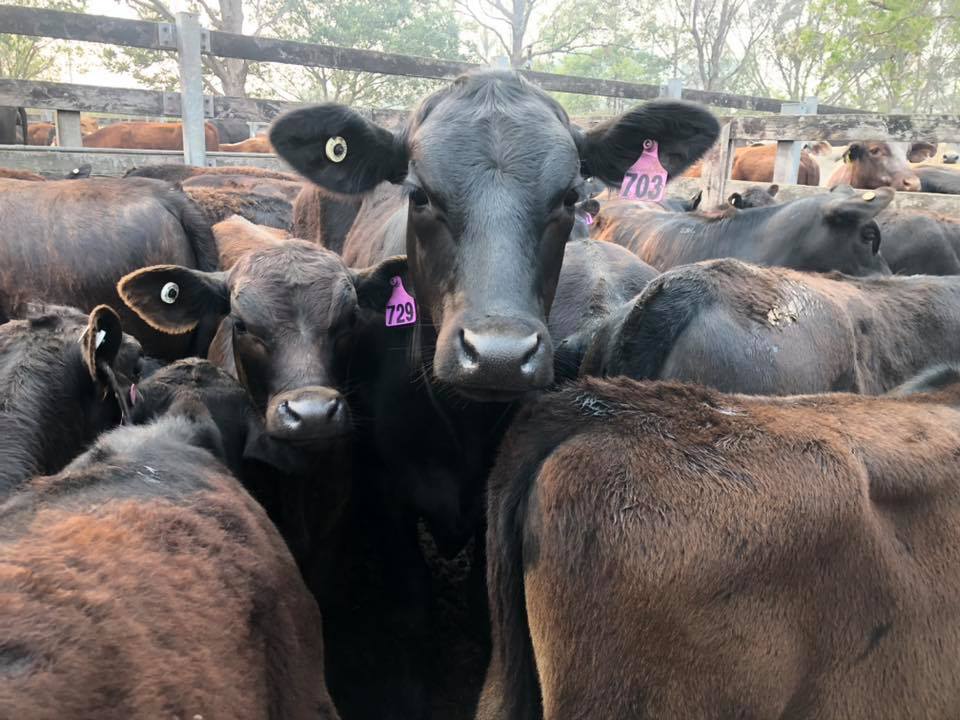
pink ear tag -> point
(646, 179)
(401, 307)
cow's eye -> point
(571, 199)
(874, 151)
(419, 198)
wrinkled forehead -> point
(463, 141)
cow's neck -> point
(903, 325)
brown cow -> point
(143, 581)
(74, 240)
(258, 144)
(147, 136)
(42, 133)
(772, 331)
(219, 203)
(755, 164)
(173, 172)
(13, 174)
(662, 550)
(250, 183)
(870, 165)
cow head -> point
(493, 170)
(870, 165)
(287, 309)
(754, 196)
(67, 377)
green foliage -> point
(28, 58)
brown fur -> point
(325, 217)
(143, 581)
(250, 183)
(236, 236)
(678, 553)
(755, 164)
(11, 174)
(148, 136)
(178, 173)
(42, 133)
(258, 144)
(262, 209)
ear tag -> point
(169, 293)
(336, 149)
(401, 307)
(101, 336)
(646, 179)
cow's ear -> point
(920, 151)
(854, 151)
(374, 285)
(101, 342)
(173, 299)
(338, 149)
(773, 190)
(684, 132)
(696, 200)
(854, 207)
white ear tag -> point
(169, 293)
(101, 336)
(336, 149)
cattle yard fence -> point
(797, 122)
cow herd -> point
(438, 435)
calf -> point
(725, 556)
(143, 581)
(771, 331)
(834, 231)
(755, 196)
(148, 136)
(870, 165)
(917, 242)
(64, 378)
(70, 242)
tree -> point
(31, 58)
(424, 28)
(231, 74)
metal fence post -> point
(673, 88)
(68, 128)
(716, 168)
(191, 88)
(787, 164)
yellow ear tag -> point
(336, 149)
(869, 195)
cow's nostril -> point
(332, 409)
(288, 411)
(532, 346)
(468, 344)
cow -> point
(14, 129)
(75, 240)
(831, 231)
(869, 165)
(179, 173)
(919, 242)
(491, 338)
(261, 208)
(596, 279)
(64, 378)
(147, 136)
(663, 550)
(143, 581)
(773, 331)
(14, 174)
(42, 133)
(755, 196)
(250, 183)
(258, 144)
(755, 164)
(325, 217)
(231, 130)
(935, 179)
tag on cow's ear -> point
(736, 200)
(339, 149)
(373, 284)
(101, 341)
(173, 299)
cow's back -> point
(74, 241)
(733, 556)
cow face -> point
(493, 170)
(870, 165)
(288, 312)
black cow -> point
(938, 180)
(492, 172)
(832, 231)
(13, 126)
(65, 377)
(754, 196)
(917, 242)
(773, 331)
